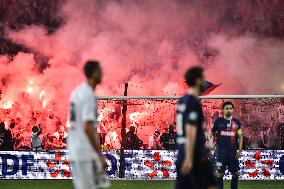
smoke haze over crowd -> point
(150, 43)
(146, 43)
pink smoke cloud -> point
(148, 44)
(141, 43)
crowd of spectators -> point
(20, 127)
(36, 141)
(262, 121)
(150, 125)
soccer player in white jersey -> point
(88, 162)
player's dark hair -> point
(227, 103)
(192, 74)
(90, 67)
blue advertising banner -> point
(139, 164)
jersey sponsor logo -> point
(228, 133)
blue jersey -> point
(227, 138)
(189, 111)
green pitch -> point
(63, 184)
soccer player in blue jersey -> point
(194, 170)
(229, 140)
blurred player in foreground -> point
(227, 131)
(88, 162)
(194, 170)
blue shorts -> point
(222, 162)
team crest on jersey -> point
(234, 125)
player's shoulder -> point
(84, 88)
(188, 99)
(187, 102)
(82, 91)
(219, 119)
(237, 121)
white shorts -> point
(89, 175)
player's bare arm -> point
(94, 140)
(191, 131)
(212, 137)
(241, 139)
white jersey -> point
(83, 108)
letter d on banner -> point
(113, 162)
(14, 166)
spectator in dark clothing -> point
(6, 141)
(18, 142)
(12, 124)
(163, 137)
(168, 139)
(132, 140)
(12, 131)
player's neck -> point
(92, 84)
(228, 118)
(193, 91)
